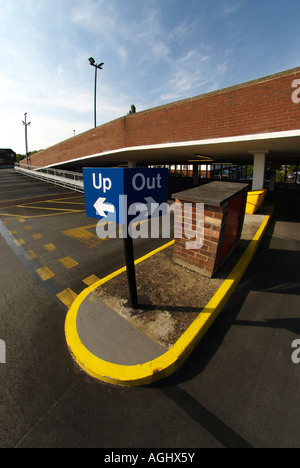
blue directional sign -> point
(121, 194)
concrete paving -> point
(111, 337)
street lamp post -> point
(97, 67)
(26, 140)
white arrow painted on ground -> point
(102, 207)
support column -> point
(272, 179)
(195, 174)
(259, 168)
(132, 164)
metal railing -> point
(66, 179)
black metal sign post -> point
(129, 256)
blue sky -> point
(155, 52)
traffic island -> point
(171, 296)
(86, 345)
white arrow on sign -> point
(102, 207)
(147, 208)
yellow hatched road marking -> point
(22, 189)
(67, 297)
(12, 215)
(19, 241)
(91, 280)
(65, 202)
(64, 198)
(45, 273)
(50, 200)
(84, 236)
(49, 209)
(50, 247)
(32, 254)
(47, 215)
(37, 236)
(16, 216)
(9, 214)
(68, 262)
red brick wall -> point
(105, 138)
(261, 106)
(209, 257)
(204, 259)
(257, 108)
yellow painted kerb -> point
(170, 361)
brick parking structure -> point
(262, 106)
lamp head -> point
(92, 61)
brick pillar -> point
(222, 228)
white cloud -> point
(232, 7)
(86, 13)
(194, 72)
(122, 52)
(8, 88)
(97, 17)
(6, 9)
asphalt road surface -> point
(240, 387)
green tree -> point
(23, 156)
(132, 110)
